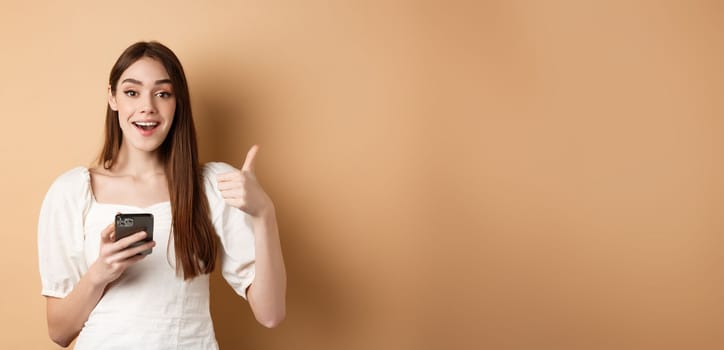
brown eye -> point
(163, 94)
(130, 93)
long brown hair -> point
(193, 233)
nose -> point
(147, 106)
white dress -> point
(149, 306)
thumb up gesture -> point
(240, 188)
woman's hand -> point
(114, 258)
(240, 188)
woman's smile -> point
(146, 128)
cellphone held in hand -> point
(128, 224)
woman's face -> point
(145, 103)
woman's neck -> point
(137, 163)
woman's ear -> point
(112, 99)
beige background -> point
(448, 175)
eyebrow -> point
(138, 82)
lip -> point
(146, 131)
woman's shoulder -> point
(71, 181)
(73, 177)
(216, 168)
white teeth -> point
(146, 123)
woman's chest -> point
(128, 191)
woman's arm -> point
(67, 315)
(267, 293)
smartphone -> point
(128, 224)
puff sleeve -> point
(234, 229)
(61, 235)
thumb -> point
(107, 232)
(250, 157)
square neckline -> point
(95, 201)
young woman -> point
(97, 287)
